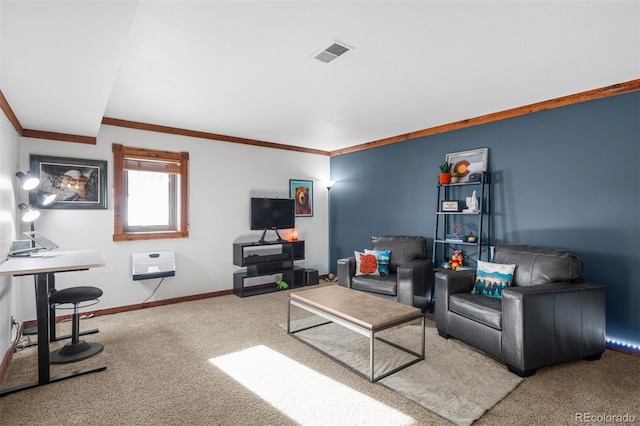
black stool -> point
(77, 349)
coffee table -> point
(361, 312)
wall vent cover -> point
(332, 52)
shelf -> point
(458, 184)
(464, 243)
(458, 213)
(258, 289)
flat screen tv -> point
(272, 213)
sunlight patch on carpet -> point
(303, 394)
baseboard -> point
(628, 351)
(137, 306)
(9, 354)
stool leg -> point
(77, 349)
(75, 325)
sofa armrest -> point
(446, 284)
(550, 323)
(414, 277)
(346, 270)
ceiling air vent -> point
(332, 52)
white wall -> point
(223, 176)
(9, 141)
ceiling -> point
(245, 69)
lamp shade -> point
(44, 198)
(28, 182)
(29, 214)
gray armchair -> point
(410, 272)
(548, 316)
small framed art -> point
(302, 192)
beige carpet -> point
(159, 373)
(453, 381)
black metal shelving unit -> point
(444, 220)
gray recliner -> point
(548, 316)
(410, 272)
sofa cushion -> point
(492, 278)
(366, 264)
(539, 265)
(485, 310)
(403, 249)
(383, 259)
(381, 284)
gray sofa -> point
(410, 279)
(549, 315)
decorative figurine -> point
(456, 259)
(472, 204)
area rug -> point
(454, 381)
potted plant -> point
(454, 177)
(445, 173)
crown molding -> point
(589, 95)
(62, 137)
(205, 135)
(6, 108)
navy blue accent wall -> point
(567, 177)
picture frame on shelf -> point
(302, 193)
(77, 183)
(466, 163)
(450, 206)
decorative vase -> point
(445, 178)
(454, 179)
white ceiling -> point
(245, 69)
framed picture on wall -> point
(302, 192)
(77, 183)
(467, 163)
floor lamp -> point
(329, 184)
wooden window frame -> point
(121, 154)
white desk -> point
(43, 266)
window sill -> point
(133, 236)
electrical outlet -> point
(13, 321)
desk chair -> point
(77, 349)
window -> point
(150, 194)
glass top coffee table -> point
(362, 313)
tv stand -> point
(266, 258)
(279, 240)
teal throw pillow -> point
(492, 278)
(383, 260)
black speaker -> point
(311, 277)
(475, 177)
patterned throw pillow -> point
(366, 264)
(492, 278)
(383, 259)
